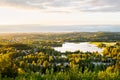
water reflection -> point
(83, 46)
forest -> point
(30, 56)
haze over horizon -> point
(49, 15)
(75, 28)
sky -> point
(59, 12)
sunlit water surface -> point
(83, 46)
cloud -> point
(65, 5)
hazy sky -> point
(60, 12)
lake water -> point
(83, 46)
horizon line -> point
(60, 25)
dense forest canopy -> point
(30, 56)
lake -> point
(82, 46)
